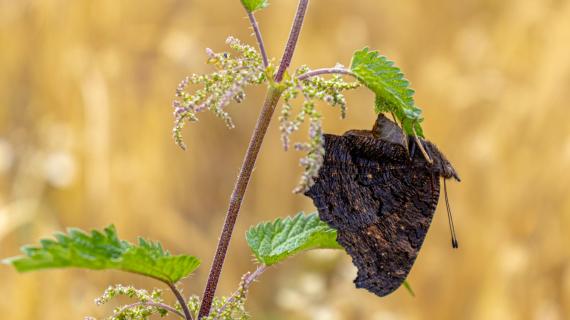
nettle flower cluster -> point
(148, 304)
(219, 88)
(235, 72)
(312, 89)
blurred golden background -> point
(85, 140)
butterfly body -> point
(380, 198)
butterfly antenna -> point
(454, 242)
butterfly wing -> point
(381, 203)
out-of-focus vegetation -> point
(85, 140)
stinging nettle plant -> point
(270, 242)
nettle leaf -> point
(273, 242)
(393, 92)
(104, 250)
(254, 5)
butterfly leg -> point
(412, 145)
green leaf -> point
(104, 250)
(409, 288)
(254, 5)
(273, 242)
(393, 92)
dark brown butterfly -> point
(380, 193)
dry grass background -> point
(85, 118)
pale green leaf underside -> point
(393, 92)
(254, 5)
(104, 250)
(273, 242)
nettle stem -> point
(236, 199)
(292, 42)
(271, 99)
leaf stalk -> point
(181, 300)
(259, 38)
(248, 279)
(318, 72)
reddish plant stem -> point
(271, 99)
(236, 199)
(292, 42)
(257, 32)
